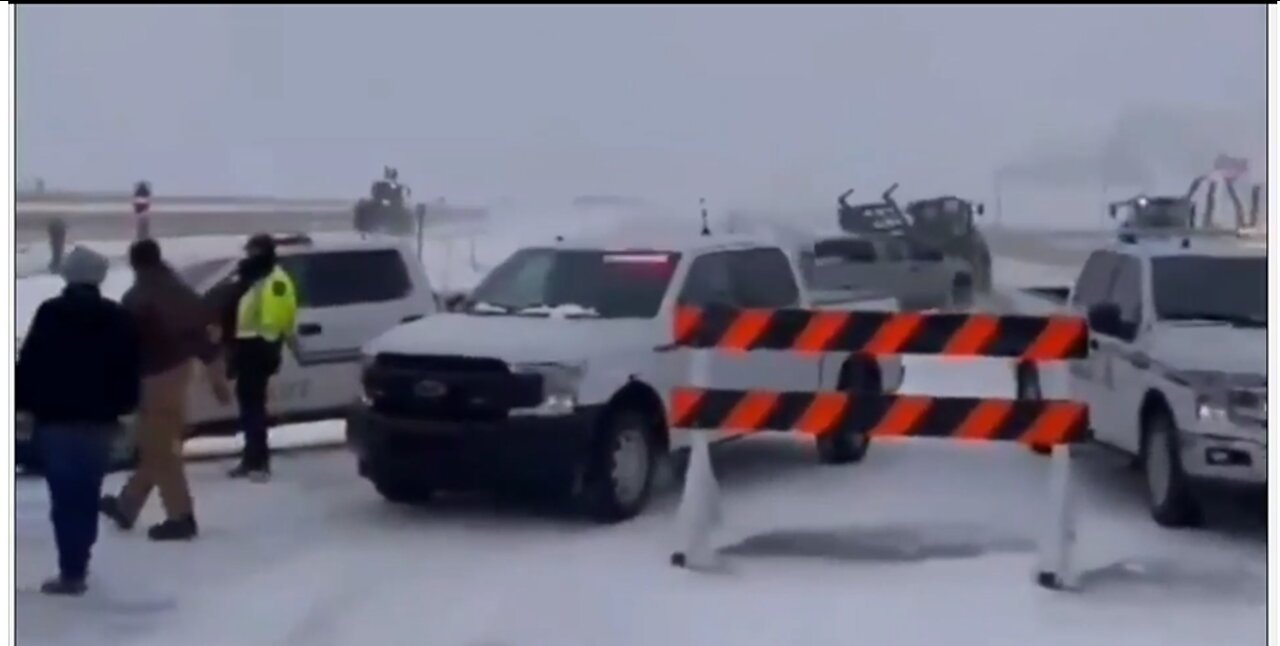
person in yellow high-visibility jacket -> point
(266, 315)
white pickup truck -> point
(1177, 372)
(350, 289)
(557, 368)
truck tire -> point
(860, 375)
(620, 470)
(400, 490)
(1168, 491)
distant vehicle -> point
(386, 210)
(919, 276)
(943, 224)
(882, 217)
(1146, 215)
(349, 291)
(1154, 214)
(1177, 373)
(947, 224)
(558, 369)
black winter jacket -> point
(80, 362)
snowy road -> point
(922, 543)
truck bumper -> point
(472, 454)
(1224, 462)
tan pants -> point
(161, 427)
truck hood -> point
(1215, 348)
(520, 339)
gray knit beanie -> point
(84, 266)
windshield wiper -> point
(565, 310)
(1237, 320)
(483, 308)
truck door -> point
(762, 278)
(345, 299)
(1114, 411)
(919, 271)
(847, 263)
(1089, 377)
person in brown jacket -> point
(175, 328)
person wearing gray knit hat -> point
(79, 371)
(84, 266)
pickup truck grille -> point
(442, 364)
(448, 388)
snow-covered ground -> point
(923, 543)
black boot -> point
(255, 474)
(60, 586)
(109, 506)
(174, 529)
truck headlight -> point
(559, 385)
(1210, 410)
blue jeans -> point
(75, 459)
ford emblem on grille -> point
(430, 389)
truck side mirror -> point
(1111, 208)
(982, 208)
(1104, 318)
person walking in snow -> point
(174, 328)
(78, 373)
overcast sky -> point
(745, 103)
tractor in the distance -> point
(947, 224)
(386, 209)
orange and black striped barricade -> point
(1025, 339)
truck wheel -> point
(1168, 492)
(401, 490)
(619, 474)
(859, 376)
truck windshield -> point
(1162, 214)
(945, 219)
(1207, 288)
(576, 284)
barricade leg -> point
(700, 510)
(1057, 544)
(1027, 386)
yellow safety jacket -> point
(269, 309)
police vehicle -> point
(350, 289)
(1177, 375)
